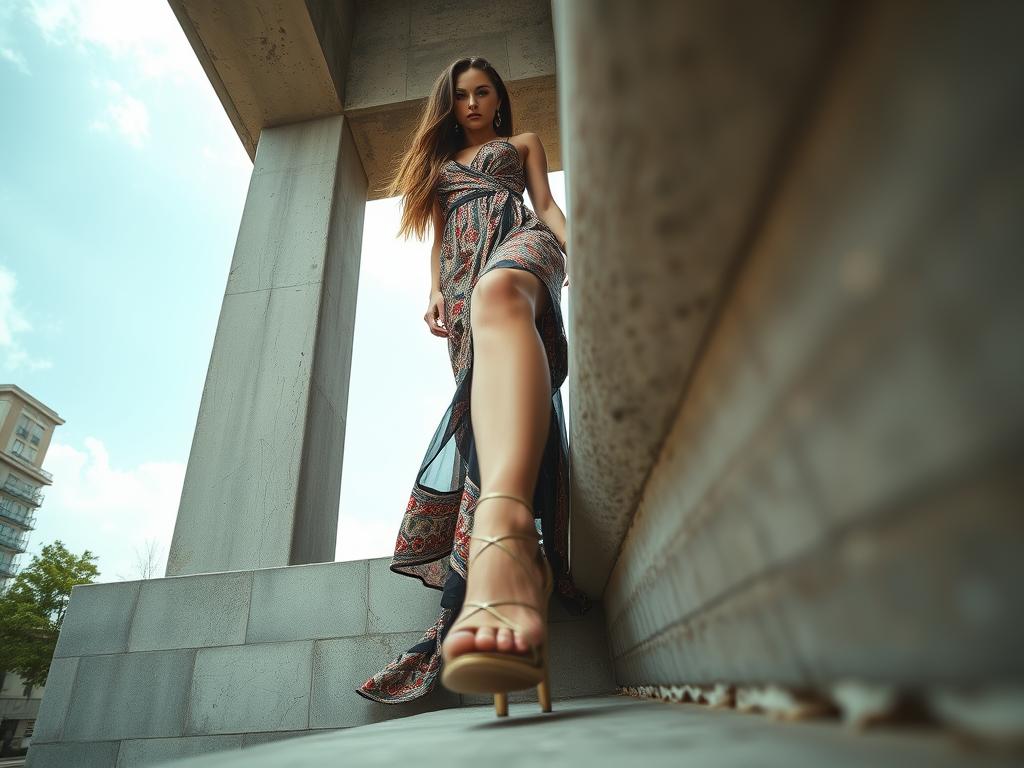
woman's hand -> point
(434, 317)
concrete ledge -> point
(835, 496)
(275, 653)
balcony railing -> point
(33, 496)
(8, 569)
(27, 463)
(25, 521)
(13, 540)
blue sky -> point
(121, 190)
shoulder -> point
(529, 140)
(529, 146)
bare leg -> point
(510, 411)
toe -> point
(485, 640)
(459, 641)
(504, 640)
(522, 644)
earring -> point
(497, 120)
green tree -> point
(32, 609)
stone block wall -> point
(161, 668)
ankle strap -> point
(496, 495)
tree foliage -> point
(33, 607)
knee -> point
(499, 296)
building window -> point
(26, 452)
(31, 430)
(14, 509)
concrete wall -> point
(829, 483)
(161, 668)
(675, 120)
(400, 46)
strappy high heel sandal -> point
(493, 671)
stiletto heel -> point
(493, 671)
(544, 688)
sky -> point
(122, 185)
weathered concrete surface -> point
(675, 122)
(399, 47)
(840, 491)
(246, 656)
(603, 731)
(264, 61)
(264, 472)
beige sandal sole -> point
(489, 672)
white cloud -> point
(142, 37)
(13, 56)
(13, 323)
(124, 114)
(144, 32)
(113, 512)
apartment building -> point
(26, 427)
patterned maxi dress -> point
(487, 226)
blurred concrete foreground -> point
(797, 414)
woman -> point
(497, 271)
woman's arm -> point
(434, 316)
(544, 204)
(435, 251)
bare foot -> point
(493, 577)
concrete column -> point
(264, 474)
(673, 122)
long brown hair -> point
(437, 139)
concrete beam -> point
(264, 60)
